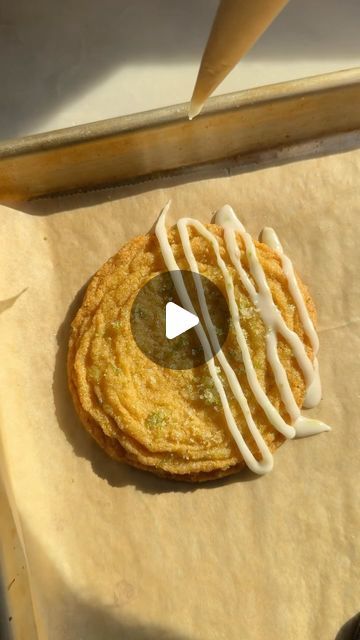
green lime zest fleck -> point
(94, 373)
(236, 355)
(139, 313)
(208, 393)
(209, 397)
(115, 369)
(156, 419)
(182, 341)
(257, 362)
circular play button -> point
(167, 326)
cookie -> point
(212, 420)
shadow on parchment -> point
(115, 473)
(350, 630)
(56, 52)
(7, 303)
(73, 615)
(77, 616)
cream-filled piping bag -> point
(237, 26)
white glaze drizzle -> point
(313, 392)
(266, 464)
(272, 318)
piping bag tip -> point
(237, 26)
(194, 109)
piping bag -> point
(236, 27)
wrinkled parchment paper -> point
(114, 553)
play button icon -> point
(178, 320)
(165, 328)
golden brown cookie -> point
(167, 421)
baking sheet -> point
(162, 142)
(115, 553)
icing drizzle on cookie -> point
(261, 297)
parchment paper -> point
(114, 553)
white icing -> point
(261, 298)
(313, 392)
(308, 427)
(266, 464)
